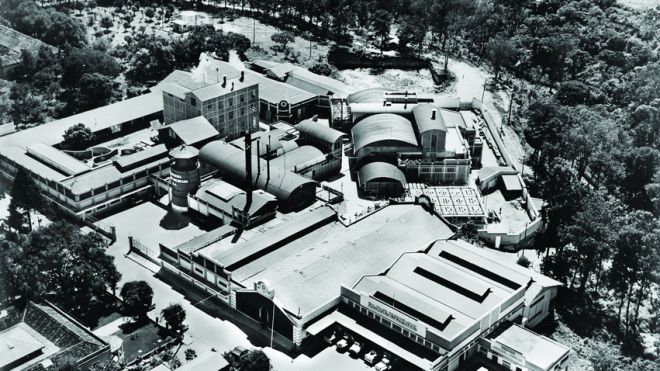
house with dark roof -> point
(12, 43)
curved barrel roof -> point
(231, 162)
(375, 170)
(322, 132)
(427, 117)
(296, 157)
(382, 127)
(369, 95)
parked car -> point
(343, 344)
(332, 338)
(370, 358)
(383, 365)
(355, 348)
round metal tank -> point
(184, 176)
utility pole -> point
(254, 30)
(513, 94)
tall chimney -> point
(217, 74)
(433, 114)
(242, 76)
(248, 169)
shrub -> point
(523, 261)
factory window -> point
(253, 93)
(242, 111)
(209, 107)
(230, 102)
(241, 98)
(231, 115)
(220, 105)
(193, 101)
(434, 141)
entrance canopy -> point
(350, 324)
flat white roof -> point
(538, 350)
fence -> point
(148, 252)
(103, 228)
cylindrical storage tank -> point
(184, 176)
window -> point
(434, 141)
(241, 98)
(209, 106)
(253, 94)
(193, 101)
(221, 105)
(231, 115)
(230, 102)
(242, 111)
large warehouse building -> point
(394, 279)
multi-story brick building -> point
(231, 105)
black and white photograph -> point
(330, 185)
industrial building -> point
(395, 279)
(39, 336)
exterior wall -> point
(260, 308)
(230, 114)
(383, 188)
(440, 172)
(539, 308)
(319, 170)
(433, 141)
(291, 113)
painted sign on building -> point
(393, 315)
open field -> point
(640, 4)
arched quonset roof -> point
(382, 127)
(427, 117)
(370, 95)
(231, 162)
(322, 132)
(296, 157)
(380, 170)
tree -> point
(190, 354)
(28, 106)
(78, 137)
(283, 38)
(94, 90)
(106, 22)
(411, 31)
(523, 261)
(253, 360)
(381, 22)
(174, 315)
(82, 61)
(25, 194)
(501, 53)
(137, 297)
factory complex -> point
(270, 160)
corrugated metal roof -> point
(206, 239)
(308, 271)
(452, 119)
(427, 117)
(297, 157)
(315, 83)
(242, 252)
(194, 130)
(319, 131)
(383, 127)
(375, 170)
(280, 70)
(371, 95)
(231, 162)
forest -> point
(585, 81)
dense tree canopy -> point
(137, 297)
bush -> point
(321, 69)
(523, 261)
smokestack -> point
(224, 80)
(384, 103)
(268, 161)
(258, 159)
(433, 114)
(242, 76)
(248, 169)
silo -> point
(184, 176)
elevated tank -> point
(184, 176)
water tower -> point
(184, 176)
